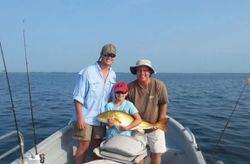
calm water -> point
(202, 102)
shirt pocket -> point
(109, 95)
(94, 88)
(109, 84)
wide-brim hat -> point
(142, 62)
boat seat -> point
(123, 149)
(102, 161)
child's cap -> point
(121, 87)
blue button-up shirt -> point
(93, 92)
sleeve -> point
(163, 96)
(108, 107)
(132, 109)
(81, 87)
(131, 95)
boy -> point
(120, 103)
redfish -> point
(124, 119)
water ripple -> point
(202, 102)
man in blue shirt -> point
(92, 92)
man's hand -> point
(81, 124)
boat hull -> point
(60, 147)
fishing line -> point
(228, 120)
(231, 114)
(12, 103)
(30, 100)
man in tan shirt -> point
(149, 95)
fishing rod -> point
(30, 99)
(12, 103)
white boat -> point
(59, 148)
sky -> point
(178, 36)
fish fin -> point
(162, 124)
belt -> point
(149, 130)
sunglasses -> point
(120, 92)
(109, 55)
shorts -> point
(155, 140)
(90, 131)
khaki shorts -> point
(156, 140)
(91, 131)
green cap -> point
(108, 49)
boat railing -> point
(15, 148)
(192, 136)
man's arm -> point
(163, 111)
(137, 121)
(79, 115)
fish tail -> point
(162, 124)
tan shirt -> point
(148, 100)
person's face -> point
(108, 59)
(143, 73)
(121, 95)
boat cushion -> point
(123, 149)
(124, 145)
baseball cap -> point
(121, 87)
(108, 49)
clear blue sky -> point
(179, 36)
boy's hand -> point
(111, 122)
(123, 128)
